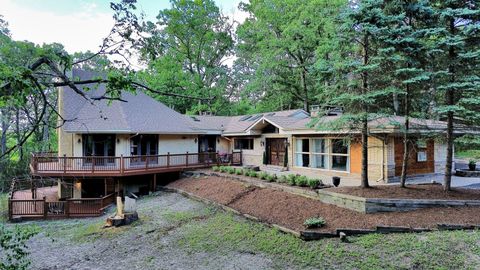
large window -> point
(243, 144)
(321, 153)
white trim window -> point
(322, 153)
(243, 144)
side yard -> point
(176, 232)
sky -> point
(79, 25)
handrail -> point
(129, 164)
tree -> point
(186, 50)
(405, 46)
(361, 87)
(456, 39)
(279, 46)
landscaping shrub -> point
(262, 175)
(216, 168)
(314, 222)
(223, 169)
(282, 179)
(246, 172)
(253, 174)
(271, 177)
(314, 183)
(238, 171)
(291, 178)
(301, 180)
(230, 170)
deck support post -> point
(186, 160)
(168, 159)
(154, 182)
(45, 208)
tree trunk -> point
(18, 134)
(364, 176)
(305, 90)
(450, 100)
(406, 152)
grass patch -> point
(224, 232)
(468, 154)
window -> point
(421, 150)
(322, 153)
(243, 144)
(302, 156)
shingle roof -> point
(139, 114)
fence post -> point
(10, 210)
(45, 208)
(64, 163)
(168, 159)
(241, 157)
(122, 165)
(67, 208)
(186, 160)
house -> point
(129, 146)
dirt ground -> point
(410, 192)
(291, 211)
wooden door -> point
(276, 151)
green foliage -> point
(238, 171)
(314, 222)
(263, 175)
(230, 170)
(223, 169)
(468, 154)
(472, 162)
(185, 50)
(282, 179)
(13, 245)
(291, 179)
(301, 180)
(271, 177)
(314, 183)
(215, 168)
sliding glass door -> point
(99, 145)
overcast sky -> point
(79, 25)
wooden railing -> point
(41, 208)
(44, 164)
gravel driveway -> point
(151, 243)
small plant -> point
(282, 179)
(314, 222)
(230, 170)
(216, 168)
(223, 169)
(472, 164)
(253, 173)
(270, 177)
(291, 178)
(238, 171)
(314, 183)
(301, 181)
(246, 172)
(262, 175)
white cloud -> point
(81, 31)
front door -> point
(99, 145)
(276, 151)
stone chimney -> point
(314, 110)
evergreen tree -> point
(457, 40)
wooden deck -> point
(52, 165)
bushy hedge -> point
(290, 179)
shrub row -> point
(291, 179)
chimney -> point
(314, 110)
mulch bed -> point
(429, 191)
(290, 211)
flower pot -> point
(336, 181)
(472, 166)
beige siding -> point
(223, 146)
(177, 144)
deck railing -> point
(123, 165)
(41, 208)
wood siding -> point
(414, 166)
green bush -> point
(223, 169)
(291, 179)
(253, 174)
(238, 171)
(230, 170)
(246, 172)
(271, 177)
(13, 246)
(301, 181)
(314, 222)
(314, 183)
(263, 175)
(216, 168)
(282, 179)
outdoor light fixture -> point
(262, 143)
(118, 140)
(79, 140)
(195, 140)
